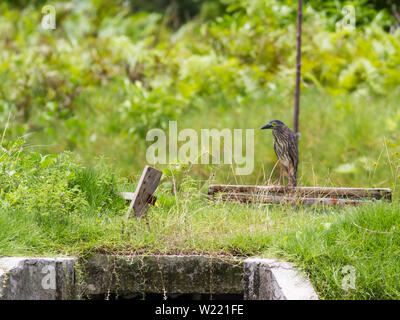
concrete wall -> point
(56, 278)
(162, 274)
(37, 278)
(267, 279)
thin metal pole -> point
(298, 67)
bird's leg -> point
(290, 178)
(289, 185)
(280, 174)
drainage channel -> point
(172, 277)
(168, 296)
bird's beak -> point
(267, 126)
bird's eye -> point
(273, 124)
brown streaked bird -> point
(285, 146)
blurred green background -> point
(112, 70)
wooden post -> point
(143, 196)
(298, 67)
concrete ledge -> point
(37, 279)
(168, 274)
(131, 276)
(267, 279)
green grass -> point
(366, 238)
(56, 206)
(350, 140)
(320, 240)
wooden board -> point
(309, 192)
(143, 196)
(251, 198)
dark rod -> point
(298, 67)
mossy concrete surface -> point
(100, 275)
(162, 274)
(37, 278)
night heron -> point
(285, 146)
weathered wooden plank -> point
(250, 198)
(311, 192)
(148, 183)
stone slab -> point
(269, 279)
(168, 274)
(129, 276)
(37, 278)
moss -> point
(162, 274)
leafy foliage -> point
(54, 185)
(111, 71)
